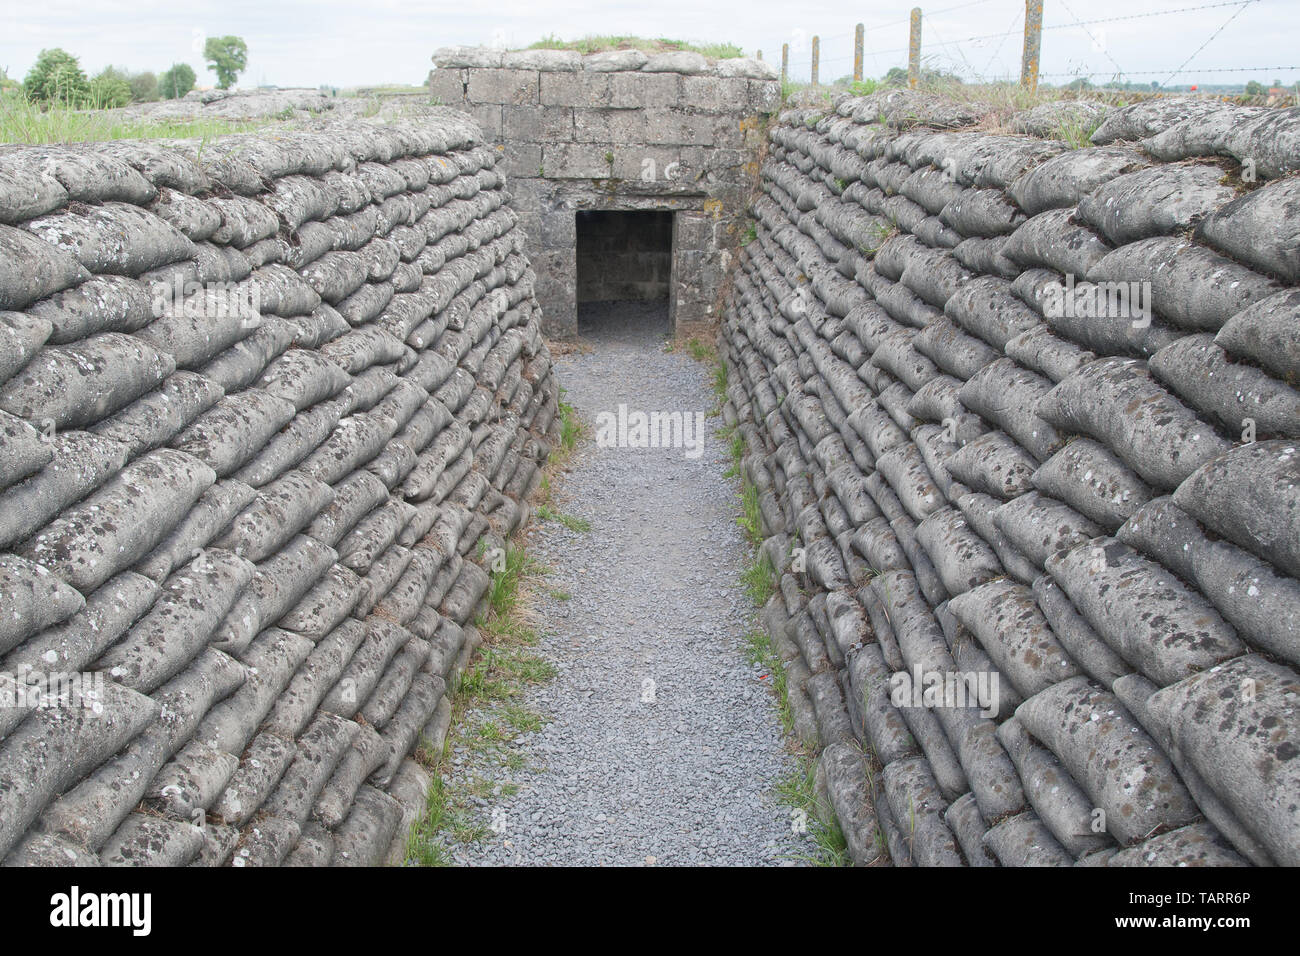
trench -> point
(662, 743)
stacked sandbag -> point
(1038, 544)
(267, 407)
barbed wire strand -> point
(1140, 16)
(1234, 16)
(1088, 33)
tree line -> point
(57, 79)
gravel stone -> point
(625, 772)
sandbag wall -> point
(968, 483)
(264, 404)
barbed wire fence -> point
(976, 58)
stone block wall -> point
(1023, 427)
(259, 416)
(619, 131)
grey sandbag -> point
(1076, 635)
(961, 557)
(1008, 623)
(1024, 840)
(121, 522)
(83, 737)
(1062, 181)
(32, 599)
(995, 465)
(1055, 240)
(1160, 625)
(1263, 605)
(1007, 395)
(196, 328)
(234, 429)
(73, 385)
(1260, 229)
(1193, 287)
(1215, 721)
(280, 510)
(1039, 526)
(1234, 394)
(1119, 403)
(914, 797)
(23, 450)
(156, 417)
(1264, 333)
(982, 213)
(81, 463)
(1058, 800)
(114, 238)
(1093, 481)
(1152, 117)
(1108, 753)
(988, 308)
(212, 512)
(32, 269)
(1198, 844)
(189, 607)
(1263, 521)
(1159, 201)
(21, 337)
(106, 303)
(27, 191)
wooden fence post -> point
(914, 50)
(1033, 44)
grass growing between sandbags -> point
(809, 813)
(486, 715)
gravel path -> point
(664, 744)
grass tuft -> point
(750, 519)
(601, 44)
(760, 580)
(573, 523)
(22, 121)
(799, 792)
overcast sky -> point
(349, 43)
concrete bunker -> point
(670, 137)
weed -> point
(601, 44)
(760, 580)
(799, 792)
(547, 513)
(751, 517)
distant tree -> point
(227, 57)
(176, 82)
(897, 76)
(57, 77)
(1276, 82)
(109, 89)
(144, 87)
(8, 85)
